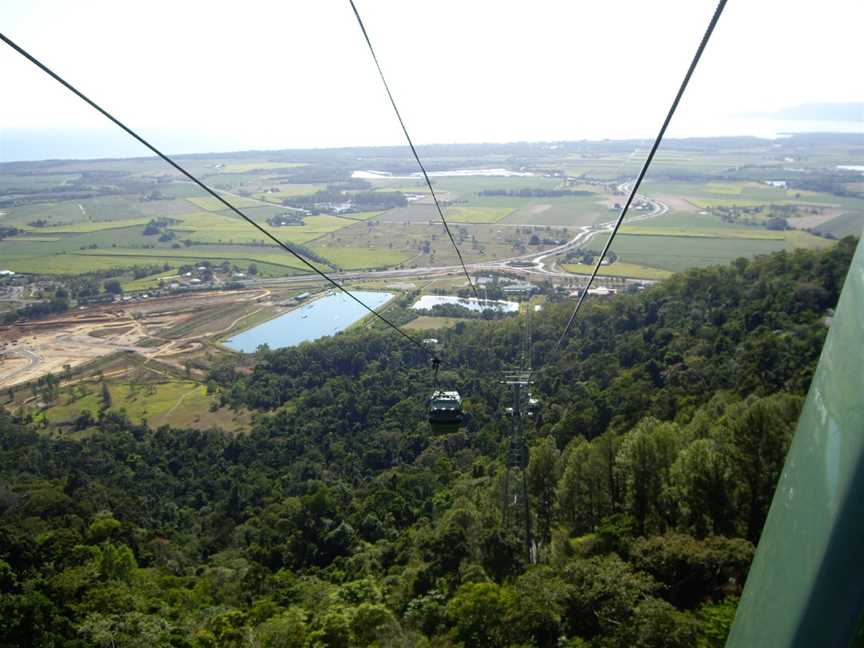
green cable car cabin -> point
(445, 407)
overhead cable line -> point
(635, 188)
(213, 193)
(414, 150)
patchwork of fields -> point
(92, 215)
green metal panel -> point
(806, 585)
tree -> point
(371, 622)
(285, 630)
(84, 420)
(115, 562)
(582, 490)
(761, 430)
(644, 461)
(717, 620)
(543, 474)
(602, 594)
(106, 396)
(535, 615)
(133, 629)
(113, 287)
(478, 612)
(703, 486)
(252, 269)
(656, 624)
(334, 631)
(691, 570)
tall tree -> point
(543, 472)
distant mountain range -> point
(833, 112)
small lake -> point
(325, 316)
(454, 173)
(427, 302)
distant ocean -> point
(20, 144)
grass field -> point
(796, 239)
(63, 264)
(705, 232)
(287, 191)
(682, 220)
(259, 166)
(88, 227)
(848, 224)
(477, 214)
(620, 269)
(147, 283)
(570, 211)
(677, 253)
(176, 403)
(708, 203)
(271, 255)
(211, 227)
(209, 203)
(428, 323)
(361, 258)
(362, 216)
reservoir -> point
(454, 173)
(317, 319)
(427, 302)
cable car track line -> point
(210, 191)
(635, 187)
(413, 149)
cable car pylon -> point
(517, 456)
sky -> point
(211, 76)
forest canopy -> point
(339, 519)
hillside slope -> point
(339, 520)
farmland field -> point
(847, 224)
(569, 212)
(677, 253)
(89, 227)
(93, 213)
(619, 269)
(477, 214)
(360, 258)
(209, 203)
(256, 166)
(271, 255)
(212, 227)
(704, 232)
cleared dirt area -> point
(156, 329)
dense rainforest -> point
(341, 520)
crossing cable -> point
(635, 188)
(413, 149)
(210, 191)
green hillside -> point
(339, 519)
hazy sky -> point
(292, 74)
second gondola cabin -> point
(445, 408)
